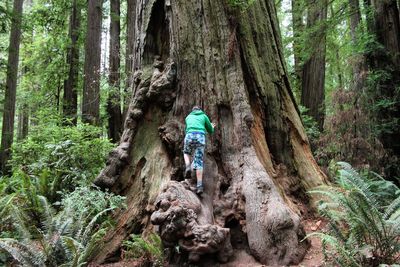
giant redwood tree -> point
(313, 78)
(113, 101)
(7, 132)
(91, 82)
(258, 164)
(70, 101)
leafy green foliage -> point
(309, 123)
(60, 158)
(364, 216)
(49, 214)
(241, 4)
(65, 238)
(150, 249)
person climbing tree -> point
(197, 123)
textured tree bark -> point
(360, 67)
(7, 133)
(114, 97)
(313, 78)
(130, 43)
(91, 83)
(258, 164)
(298, 27)
(387, 60)
(70, 101)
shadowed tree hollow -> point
(258, 164)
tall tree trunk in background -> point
(360, 127)
(313, 78)
(23, 122)
(70, 102)
(130, 44)
(91, 84)
(298, 28)
(359, 64)
(114, 99)
(258, 164)
(7, 133)
(387, 61)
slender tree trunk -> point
(114, 99)
(130, 44)
(313, 78)
(355, 19)
(23, 122)
(70, 103)
(258, 164)
(7, 133)
(298, 28)
(91, 84)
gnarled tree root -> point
(178, 213)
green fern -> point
(62, 239)
(363, 214)
(151, 249)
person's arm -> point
(209, 125)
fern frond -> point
(75, 248)
(393, 210)
(26, 255)
(89, 228)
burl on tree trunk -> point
(258, 164)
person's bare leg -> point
(200, 186)
(188, 168)
(186, 157)
(199, 175)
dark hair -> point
(196, 108)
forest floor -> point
(313, 258)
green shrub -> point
(66, 238)
(310, 124)
(150, 249)
(58, 158)
(364, 218)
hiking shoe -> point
(200, 189)
(188, 172)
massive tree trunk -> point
(113, 102)
(91, 84)
(7, 133)
(258, 164)
(313, 78)
(70, 102)
(387, 61)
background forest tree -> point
(64, 105)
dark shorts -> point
(195, 143)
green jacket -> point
(197, 121)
